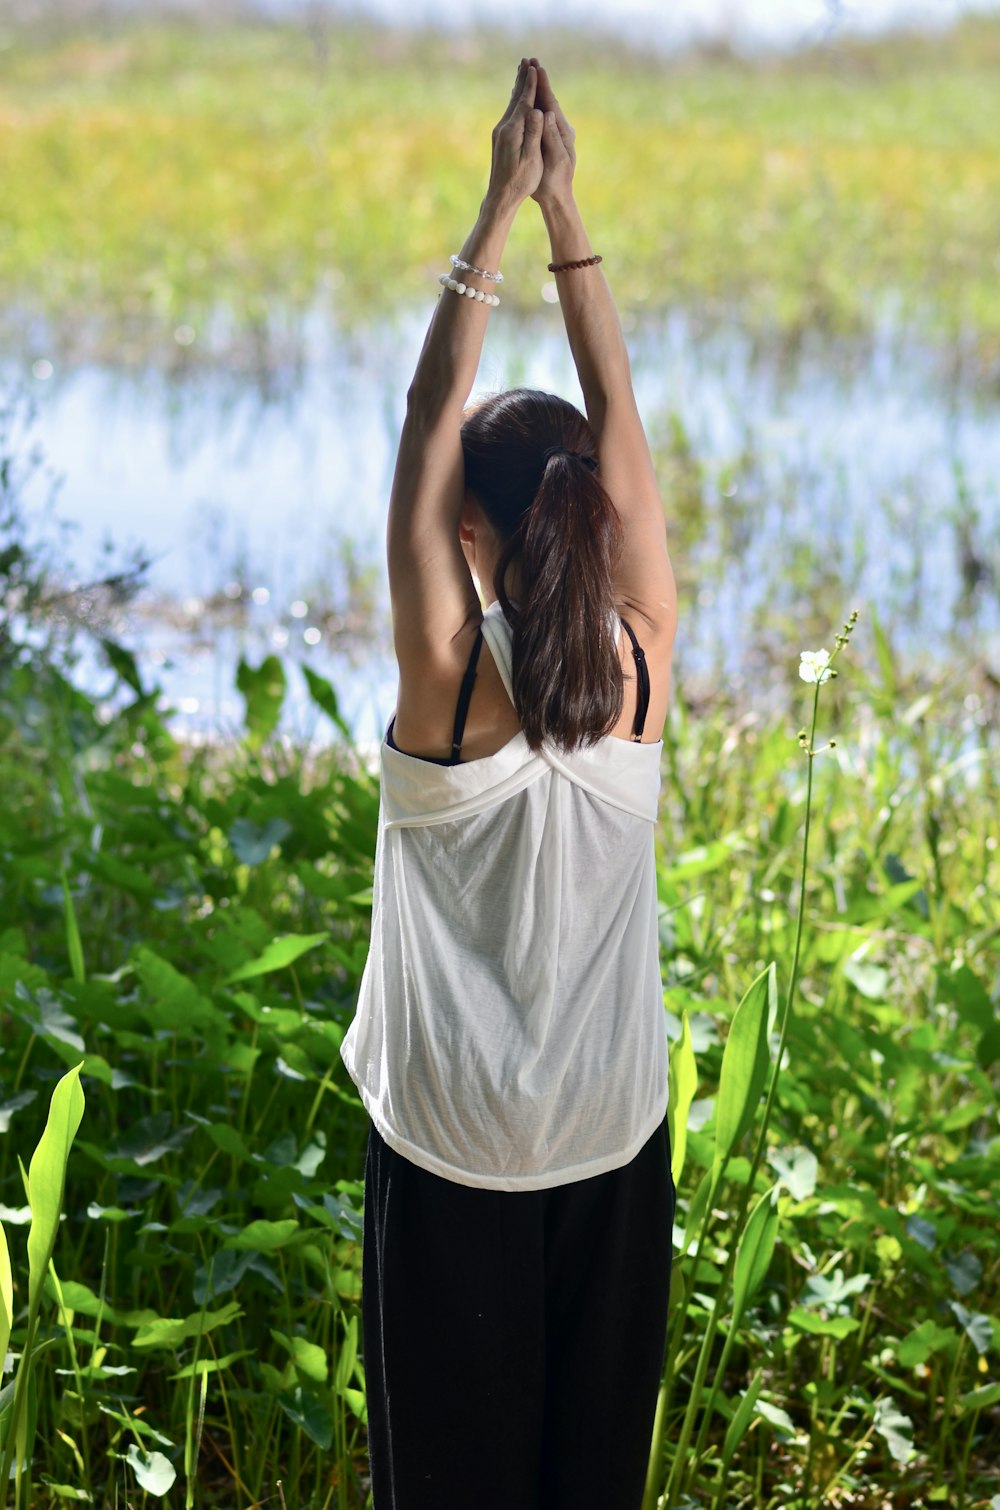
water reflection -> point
(798, 484)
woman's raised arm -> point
(644, 579)
(429, 580)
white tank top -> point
(510, 1031)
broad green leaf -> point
(167, 1332)
(977, 1399)
(281, 951)
(323, 695)
(742, 1416)
(835, 1326)
(154, 1473)
(264, 690)
(306, 1411)
(683, 1082)
(700, 861)
(263, 1236)
(745, 1061)
(80, 1298)
(925, 1340)
(895, 1429)
(308, 1357)
(67, 1492)
(252, 843)
(977, 1326)
(209, 1365)
(754, 1252)
(775, 1416)
(6, 1295)
(47, 1179)
(871, 980)
(798, 1169)
(964, 1270)
(136, 1425)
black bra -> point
(465, 697)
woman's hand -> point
(558, 150)
(517, 144)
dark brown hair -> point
(531, 463)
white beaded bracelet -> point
(468, 290)
(480, 272)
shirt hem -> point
(544, 1180)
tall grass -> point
(156, 171)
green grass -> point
(153, 172)
(204, 961)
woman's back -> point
(509, 1032)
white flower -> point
(813, 666)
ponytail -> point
(568, 683)
(530, 462)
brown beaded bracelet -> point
(568, 267)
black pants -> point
(513, 1342)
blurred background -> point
(219, 237)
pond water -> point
(798, 485)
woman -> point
(509, 1043)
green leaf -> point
(895, 1429)
(47, 1179)
(700, 861)
(964, 1270)
(123, 662)
(67, 1492)
(167, 1332)
(745, 1061)
(798, 1169)
(977, 1326)
(264, 1237)
(252, 843)
(918, 1345)
(6, 1295)
(323, 695)
(347, 1357)
(308, 1413)
(263, 688)
(682, 1084)
(74, 946)
(209, 1365)
(280, 952)
(870, 980)
(976, 1399)
(309, 1358)
(775, 1416)
(154, 1473)
(755, 1250)
(835, 1326)
(742, 1417)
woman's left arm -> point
(429, 580)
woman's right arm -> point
(644, 579)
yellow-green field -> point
(152, 172)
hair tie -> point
(590, 462)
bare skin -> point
(437, 535)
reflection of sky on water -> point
(844, 464)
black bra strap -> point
(642, 675)
(465, 697)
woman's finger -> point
(552, 143)
(515, 94)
